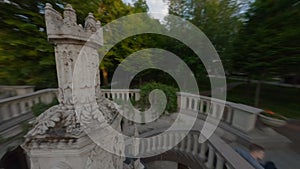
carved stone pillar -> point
(57, 139)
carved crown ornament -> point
(61, 27)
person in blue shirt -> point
(254, 156)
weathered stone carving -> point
(62, 165)
(58, 139)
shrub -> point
(169, 91)
(39, 108)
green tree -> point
(220, 20)
(267, 45)
(25, 55)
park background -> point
(257, 41)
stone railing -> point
(121, 94)
(212, 154)
(215, 153)
(239, 116)
(9, 91)
(13, 107)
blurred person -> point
(255, 156)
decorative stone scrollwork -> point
(99, 158)
(62, 165)
(54, 122)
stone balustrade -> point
(239, 116)
(214, 153)
(9, 91)
(13, 107)
(121, 94)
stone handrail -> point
(239, 116)
(16, 106)
(214, 153)
(9, 91)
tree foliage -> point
(26, 57)
(268, 44)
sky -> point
(157, 8)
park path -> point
(292, 131)
(287, 157)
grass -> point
(282, 100)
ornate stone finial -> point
(98, 25)
(61, 27)
(69, 6)
(48, 5)
(90, 23)
(70, 15)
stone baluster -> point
(220, 114)
(229, 114)
(148, 145)
(160, 141)
(195, 144)
(220, 162)
(4, 112)
(190, 106)
(171, 140)
(113, 95)
(137, 96)
(196, 105)
(203, 150)
(22, 107)
(177, 137)
(165, 140)
(154, 143)
(143, 146)
(201, 106)
(124, 96)
(183, 143)
(213, 110)
(182, 101)
(14, 109)
(211, 156)
(189, 143)
(209, 107)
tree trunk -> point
(105, 76)
(257, 93)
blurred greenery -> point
(256, 38)
(39, 108)
(169, 91)
(268, 43)
(281, 100)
